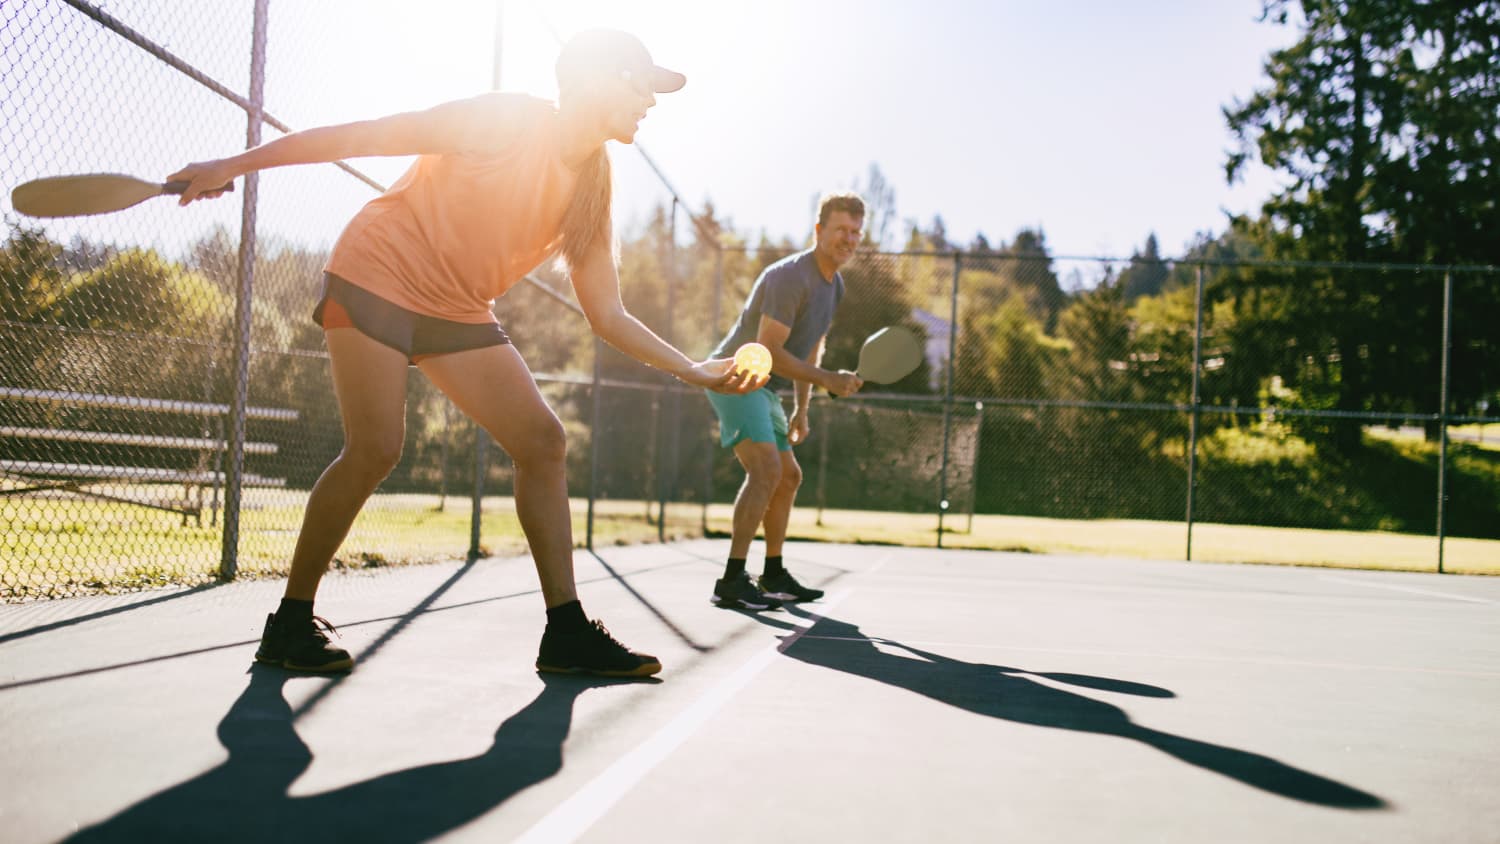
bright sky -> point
(1098, 121)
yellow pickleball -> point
(753, 358)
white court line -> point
(1411, 589)
(572, 817)
(1238, 660)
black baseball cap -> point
(596, 53)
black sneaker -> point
(591, 650)
(738, 593)
(782, 585)
(301, 646)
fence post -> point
(594, 434)
(476, 503)
(443, 455)
(826, 432)
(1192, 449)
(708, 460)
(243, 312)
(948, 393)
(499, 45)
(1442, 491)
(666, 477)
(653, 456)
(974, 462)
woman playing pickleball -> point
(503, 181)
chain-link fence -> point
(1163, 407)
(165, 399)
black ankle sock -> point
(774, 565)
(735, 568)
(567, 616)
(293, 609)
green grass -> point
(55, 546)
(1144, 539)
(1485, 437)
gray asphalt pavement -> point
(930, 696)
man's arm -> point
(773, 335)
(802, 390)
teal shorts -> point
(756, 416)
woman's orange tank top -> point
(459, 229)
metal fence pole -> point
(1192, 449)
(443, 455)
(708, 460)
(653, 457)
(499, 44)
(948, 394)
(826, 435)
(476, 502)
(594, 435)
(666, 476)
(239, 398)
(1442, 491)
(974, 462)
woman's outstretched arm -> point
(475, 124)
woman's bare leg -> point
(369, 381)
(494, 387)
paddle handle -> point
(178, 188)
(833, 395)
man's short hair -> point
(848, 202)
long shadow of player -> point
(246, 797)
(1011, 693)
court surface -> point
(931, 696)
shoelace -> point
(318, 621)
(603, 632)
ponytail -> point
(587, 218)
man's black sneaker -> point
(738, 593)
(785, 587)
(301, 645)
(591, 650)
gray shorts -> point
(418, 336)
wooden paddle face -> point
(889, 354)
(77, 196)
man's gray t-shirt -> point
(792, 292)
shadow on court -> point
(246, 797)
(1011, 694)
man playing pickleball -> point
(789, 311)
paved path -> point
(932, 696)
